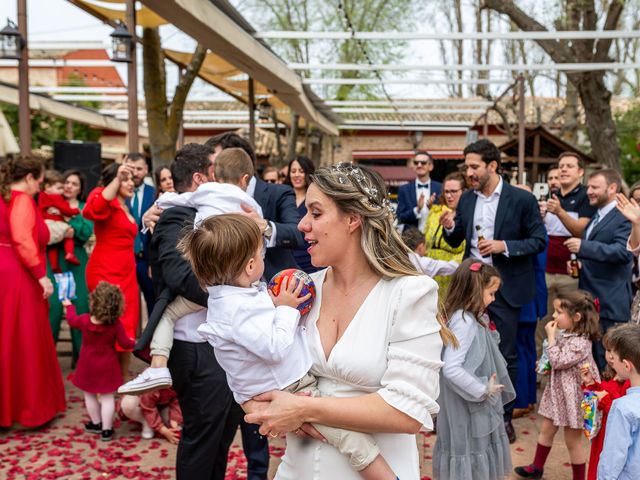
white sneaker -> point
(150, 379)
(147, 431)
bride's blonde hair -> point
(358, 190)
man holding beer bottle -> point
(605, 262)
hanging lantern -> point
(121, 46)
(265, 110)
(11, 42)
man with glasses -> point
(415, 198)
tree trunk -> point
(163, 118)
(596, 99)
(590, 85)
(570, 128)
(293, 137)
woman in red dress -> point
(113, 259)
(31, 386)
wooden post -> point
(69, 129)
(307, 143)
(536, 158)
(181, 129)
(132, 79)
(485, 126)
(24, 111)
(252, 115)
(521, 129)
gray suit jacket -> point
(606, 266)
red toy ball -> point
(293, 274)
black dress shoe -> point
(511, 433)
(530, 471)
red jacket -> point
(55, 207)
(152, 402)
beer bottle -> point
(575, 269)
(480, 238)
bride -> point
(372, 332)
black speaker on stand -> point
(82, 156)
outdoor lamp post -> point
(265, 110)
(121, 46)
(11, 42)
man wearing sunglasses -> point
(415, 198)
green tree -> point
(319, 15)
(628, 128)
(164, 118)
(590, 85)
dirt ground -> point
(64, 450)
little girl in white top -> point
(258, 338)
(233, 170)
(472, 443)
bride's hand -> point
(284, 413)
(309, 431)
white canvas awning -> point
(207, 24)
(9, 94)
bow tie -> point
(422, 185)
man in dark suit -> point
(278, 203)
(602, 252)
(211, 417)
(415, 198)
(502, 226)
(143, 197)
(280, 228)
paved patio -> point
(64, 450)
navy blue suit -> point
(519, 224)
(278, 203)
(606, 271)
(142, 257)
(407, 201)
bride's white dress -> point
(392, 347)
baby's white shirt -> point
(210, 199)
(261, 347)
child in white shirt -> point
(414, 239)
(233, 171)
(258, 338)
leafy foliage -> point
(628, 128)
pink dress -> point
(561, 399)
(98, 369)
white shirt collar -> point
(497, 192)
(251, 188)
(606, 209)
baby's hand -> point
(601, 394)
(586, 375)
(289, 294)
(66, 302)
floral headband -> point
(348, 173)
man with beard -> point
(605, 263)
(502, 226)
(210, 420)
(143, 197)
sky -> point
(59, 20)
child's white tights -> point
(102, 410)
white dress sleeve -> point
(410, 383)
(464, 383)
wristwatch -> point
(268, 230)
